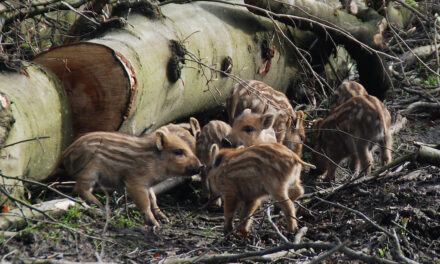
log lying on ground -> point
(138, 76)
(410, 57)
(368, 31)
(17, 217)
(41, 127)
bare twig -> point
(398, 250)
(327, 254)
(332, 28)
(10, 197)
(20, 14)
(269, 219)
(415, 55)
(79, 13)
(410, 233)
(22, 141)
(44, 185)
(300, 234)
(372, 176)
(225, 258)
(366, 218)
(392, 234)
(415, 11)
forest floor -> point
(405, 198)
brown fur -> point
(251, 128)
(245, 176)
(186, 131)
(212, 133)
(263, 99)
(114, 160)
(346, 91)
(363, 120)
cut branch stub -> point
(174, 67)
(227, 65)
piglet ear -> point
(195, 126)
(299, 119)
(213, 152)
(161, 139)
(267, 120)
(317, 122)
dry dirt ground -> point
(405, 199)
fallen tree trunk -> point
(337, 26)
(149, 72)
(38, 125)
(17, 217)
(132, 79)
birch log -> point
(135, 77)
(41, 126)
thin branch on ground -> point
(366, 178)
(45, 186)
(366, 218)
(398, 250)
(412, 9)
(10, 197)
(225, 258)
(274, 227)
(300, 234)
(391, 234)
(327, 254)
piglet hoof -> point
(293, 228)
(162, 217)
(242, 233)
(151, 222)
(155, 225)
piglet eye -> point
(178, 152)
(248, 129)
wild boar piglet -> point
(212, 133)
(347, 90)
(186, 131)
(246, 176)
(351, 131)
(114, 160)
(249, 129)
(263, 99)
